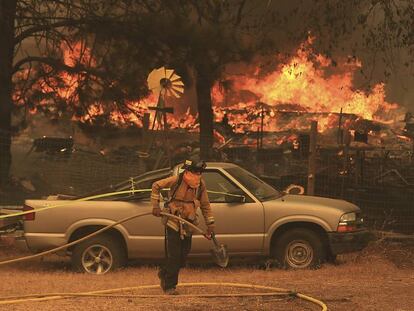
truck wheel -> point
(299, 249)
(98, 255)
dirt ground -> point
(379, 278)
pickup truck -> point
(252, 218)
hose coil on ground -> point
(273, 291)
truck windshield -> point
(255, 185)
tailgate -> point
(10, 223)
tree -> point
(204, 36)
(45, 26)
(197, 38)
(126, 39)
(209, 35)
(378, 32)
(14, 31)
(7, 18)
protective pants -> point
(176, 251)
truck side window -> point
(218, 186)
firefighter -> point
(187, 193)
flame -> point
(218, 137)
(66, 84)
(51, 86)
(306, 87)
(404, 138)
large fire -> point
(287, 97)
(308, 84)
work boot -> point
(171, 291)
(162, 280)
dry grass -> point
(379, 278)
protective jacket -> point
(183, 201)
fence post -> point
(312, 158)
(145, 127)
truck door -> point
(146, 234)
(239, 225)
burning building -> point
(263, 114)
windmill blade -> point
(151, 80)
(159, 73)
(179, 94)
(175, 87)
(179, 89)
(154, 78)
(175, 77)
(174, 84)
(168, 92)
(169, 73)
(177, 82)
(174, 93)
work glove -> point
(210, 231)
(156, 211)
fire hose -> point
(274, 291)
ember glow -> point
(311, 85)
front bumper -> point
(348, 242)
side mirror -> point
(234, 198)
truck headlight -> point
(347, 222)
(348, 217)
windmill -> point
(163, 83)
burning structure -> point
(275, 98)
(262, 117)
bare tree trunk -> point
(7, 17)
(205, 114)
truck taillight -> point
(28, 216)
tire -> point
(98, 255)
(299, 249)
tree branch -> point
(58, 65)
(28, 32)
(240, 13)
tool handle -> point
(213, 237)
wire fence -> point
(50, 166)
(380, 183)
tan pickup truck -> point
(298, 231)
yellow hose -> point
(5, 262)
(67, 202)
(273, 291)
(55, 296)
(98, 196)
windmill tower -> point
(163, 83)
